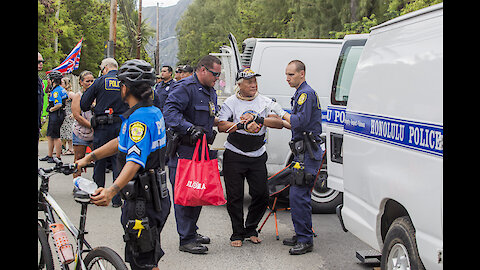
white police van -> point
(269, 57)
(391, 149)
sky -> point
(161, 3)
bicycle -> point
(96, 258)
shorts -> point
(77, 141)
(54, 124)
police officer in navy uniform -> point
(142, 180)
(106, 120)
(162, 88)
(306, 125)
(190, 111)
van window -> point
(347, 63)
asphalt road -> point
(333, 248)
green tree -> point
(89, 19)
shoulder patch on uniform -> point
(137, 131)
(55, 94)
(302, 98)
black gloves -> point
(195, 133)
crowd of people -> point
(129, 117)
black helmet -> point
(135, 72)
(56, 76)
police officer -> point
(306, 126)
(106, 119)
(162, 88)
(142, 180)
(56, 103)
(190, 112)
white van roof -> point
(296, 40)
(356, 36)
(410, 15)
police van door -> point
(346, 65)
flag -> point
(72, 61)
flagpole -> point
(113, 29)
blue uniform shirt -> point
(190, 103)
(106, 90)
(306, 112)
(142, 134)
(57, 94)
(162, 89)
(306, 115)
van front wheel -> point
(324, 200)
(400, 247)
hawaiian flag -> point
(72, 61)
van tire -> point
(325, 200)
(400, 241)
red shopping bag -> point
(197, 182)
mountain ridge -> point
(168, 18)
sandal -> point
(68, 152)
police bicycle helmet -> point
(56, 76)
(135, 72)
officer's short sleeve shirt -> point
(57, 95)
(142, 133)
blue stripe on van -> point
(334, 115)
(418, 136)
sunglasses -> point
(41, 61)
(215, 74)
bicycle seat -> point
(81, 196)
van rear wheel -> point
(325, 200)
(400, 247)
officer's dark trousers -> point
(300, 204)
(103, 134)
(186, 216)
(156, 219)
(236, 168)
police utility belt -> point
(309, 144)
(105, 119)
(147, 187)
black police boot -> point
(194, 248)
(290, 241)
(202, 239)
(301, 248)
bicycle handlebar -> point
(60, 168)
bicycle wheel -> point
(104, 258)
(45, 259)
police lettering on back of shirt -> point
(106, 91)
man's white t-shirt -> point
(235, 107)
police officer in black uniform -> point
(142, 180)
(190, 112)
(106, 120)
(306, 125)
